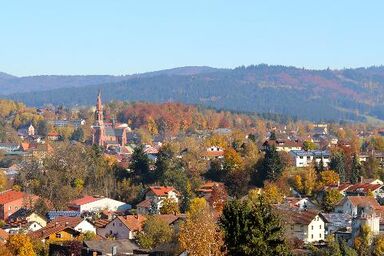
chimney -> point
(56, 224)
(66, 223)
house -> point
(104, 247)
(51, 215)
(213, 152)
(96, 204)
(25, 219)
(122, 227)
(364, 157)
(304, 158)
(305, 225)
(366, 215)
(26, 130)
(55, 233)
(53, 136)
(335, 222)
(365, 189)
(283, 145)
(207, 188)
(77, 223)
(349, 205)
(11, 201)
(300, 203)
(154, 198)
(9, 147)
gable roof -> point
(133, 222)
(123, 246)
(363, 187)
(49, 230)
(161, 190)
(303, 217)
(12, 195)
(362, 201)
(84, 200)
(147, 203)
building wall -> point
(316, 230)
(115, 228)
(85, 226)
(65, 236)
(105, 203)
(9, 208)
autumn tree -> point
(21, 245)
(331, 199)
(378, 246)
(272, 193)
(156, 232)
(328, 178)
(169, 206)
(363, 241)
(309, 145)
(252, 228)
(199, 235)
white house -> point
(77, 223)
(96, 204)
(304, 158)
(122, 227)
(154, 198)
(350, 204)
(306, 225)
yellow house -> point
(55, 233)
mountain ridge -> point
(346, 94)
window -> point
(320, 226)
(312, 227)
(320, 235)
(312, 236)
(58, 235)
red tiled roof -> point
(364, 200)
(161, 190)
(363, 187)
(302, 217)
(49, 230)
(101, 223)
(12, 195)
(66, 221)
(170, 218)
(84, 200)
(133, 222)
(3, 235)
(145, 203)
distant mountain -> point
(348, 94)
(5, 76)
(11, 84)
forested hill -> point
(349, 94)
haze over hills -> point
(348, 94)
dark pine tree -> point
(337, 164)
(140, 166)
(355, 170)
(252, 228)
(272, 166)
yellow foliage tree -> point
(21, 245)
(378, 246)
(329, 177)
(272, 193)
(199, 235)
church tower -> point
(98, 136)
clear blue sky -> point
(125, 37)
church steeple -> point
(98, 137)
(99, 110)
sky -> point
(126, 37)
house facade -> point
(97, 204)
(154, 198)
(12, 201)
(304, 158)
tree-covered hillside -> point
(350, 94)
